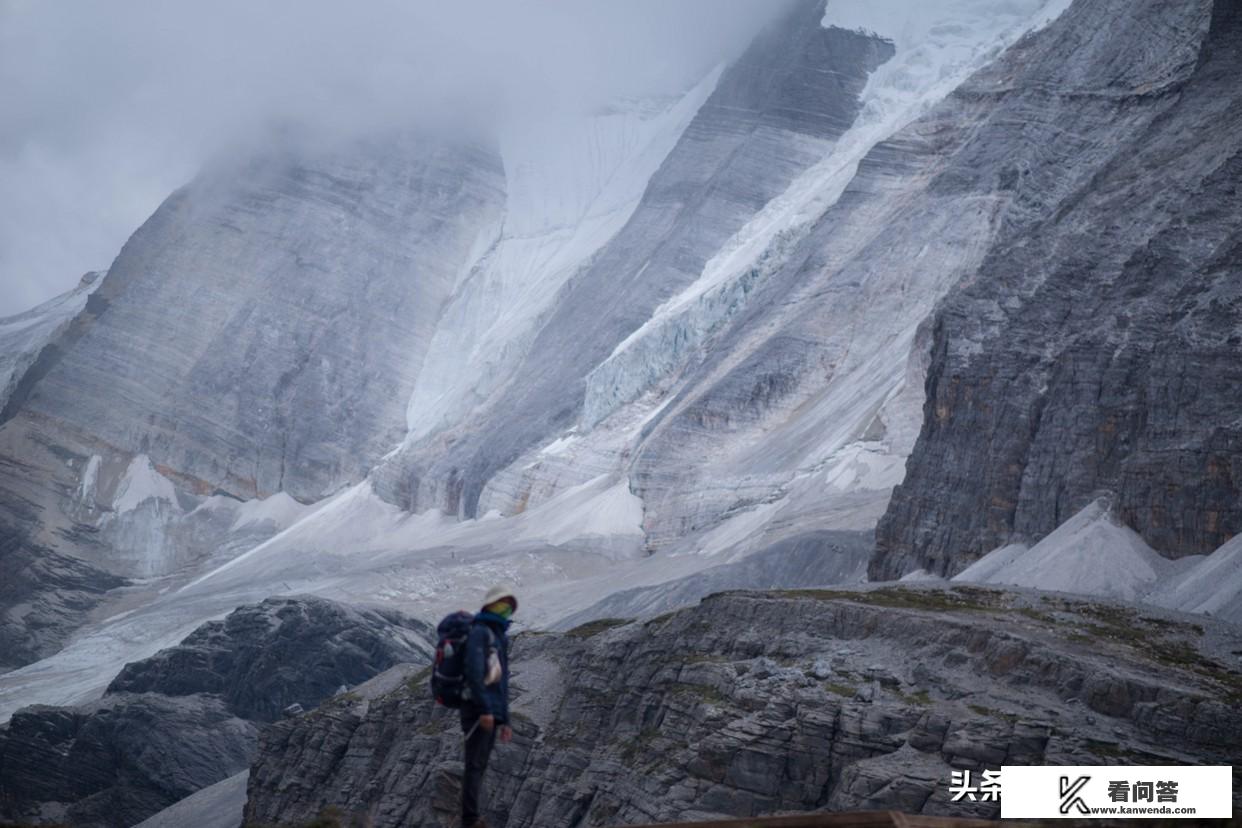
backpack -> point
(448, 671)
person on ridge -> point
(485, 715)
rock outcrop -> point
(1096, 351)
(264, 657)
(754, 703)
(190, 716)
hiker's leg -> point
(478, 749)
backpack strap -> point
(491, 636)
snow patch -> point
(23, 337)
(572, 183)
(598, 508)
(90, 478)
(141, 483)
(864, 466)
(943, 22)
(279, 509)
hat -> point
(498, 592)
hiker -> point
(485, 713)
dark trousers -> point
(479, 744)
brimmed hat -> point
(499, 592)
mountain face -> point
(236, 348)
(755, 703)
(629, 357)
(190, 715)
(1097, 343)
(770, 117)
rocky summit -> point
(762, 702)
(190, 715)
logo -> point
(1070, 794)
(1113, 791)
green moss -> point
(659, 619)
(922, 698)
(417, 683)
(988, 712)
(598, 626)
(1036, 615)
(974, 599)
(700, 692)
(635, 748)
(1167, 643)
(847, 691)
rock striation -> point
(754, 703)
(258, 336)
(190, 716)
(773, 114)
(1095, 352)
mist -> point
(108, 107)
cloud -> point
(110, 106)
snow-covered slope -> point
(23, 337)
(571, 182)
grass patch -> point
(633, 749)
(968, 598)
(990, 713)
(597, 626)
(847, 691)
(1112, 750)
(1148, 638)
(1036, 615)
(660, 619)
(701, 693)
(921, 698)
(417, 683)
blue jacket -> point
(492, 698)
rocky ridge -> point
(190, 716)
(754, 703)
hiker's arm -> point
(475, 667)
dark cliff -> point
(1097, 351)
(190, 715)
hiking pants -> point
(479, 744)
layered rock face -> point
(754, 703)
(259, 336)
(243, 346)
(264, 657)
(772, 115)
(1095, 353)
(190, 715)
